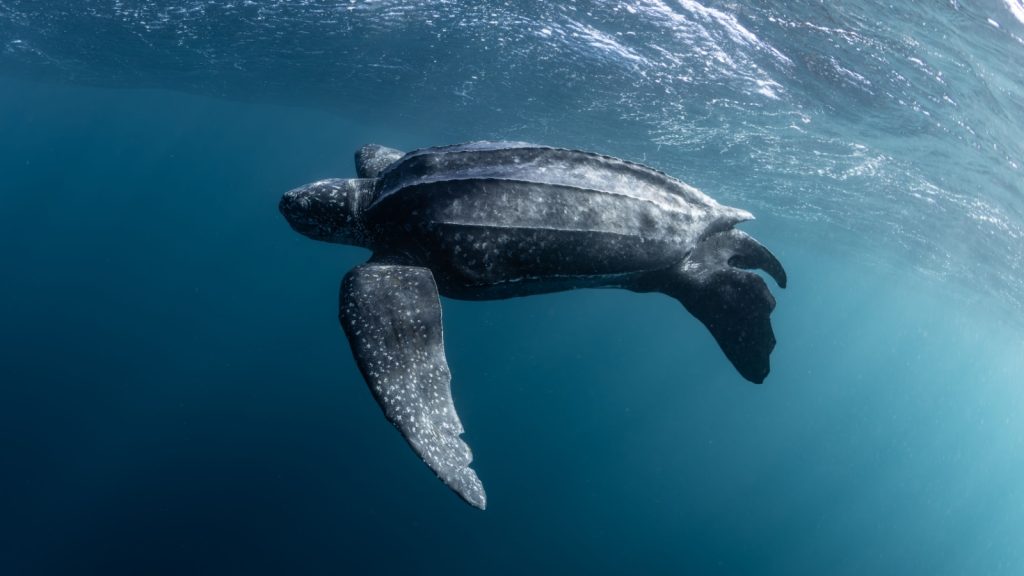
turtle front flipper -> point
(373, 159)
(735, 305)
(392, 317)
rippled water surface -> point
(898, 124)
(180, 399)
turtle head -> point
(330, 210)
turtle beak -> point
(314, 210)
(289, 203)
(295, 207)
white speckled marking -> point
(392, 316)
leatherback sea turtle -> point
(491, 220)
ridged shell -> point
(494, 212)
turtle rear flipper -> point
(714, 285)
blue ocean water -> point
(179, 399)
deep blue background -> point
(178, 398)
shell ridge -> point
(385, 193)
(654, 176)
(489, 225)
